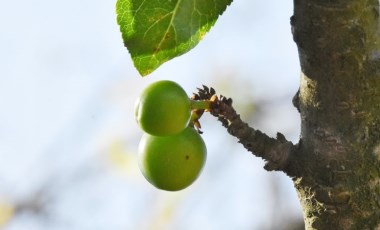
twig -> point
(275, 151)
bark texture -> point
(337, 166)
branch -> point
(275, 151)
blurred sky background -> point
(68, 138)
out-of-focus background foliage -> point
(68, 138)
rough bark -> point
(338, 169)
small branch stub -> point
(275, 151)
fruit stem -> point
(203, 104)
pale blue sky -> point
(67, 90)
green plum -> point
(172, 162)
(163, 108)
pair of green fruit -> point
(171, 153)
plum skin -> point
(163, 108)
(174, 162)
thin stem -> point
(199, 105)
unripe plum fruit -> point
(163, 108)
(172, 162)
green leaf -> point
(155, 31)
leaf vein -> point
(170, 25)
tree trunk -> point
(337, 174)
